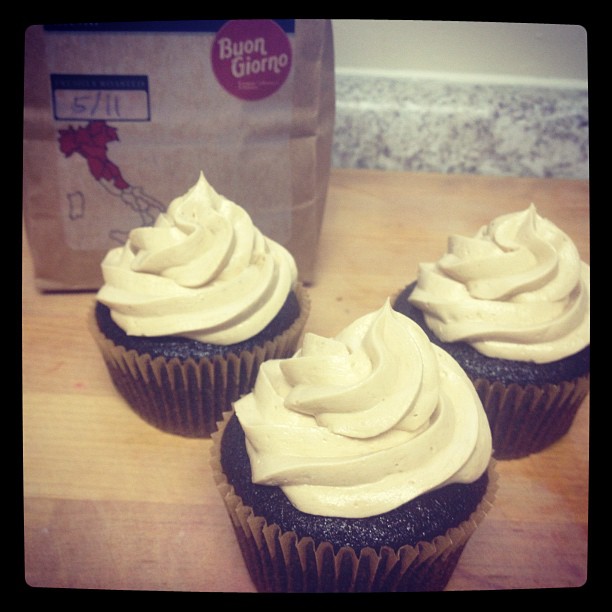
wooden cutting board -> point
(112, 503)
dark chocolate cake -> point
(183, 386)
(183, 348)
(529, 405)
(505, 371)
(421, 519)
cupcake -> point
(191, 307)
(360, 464)
(512, 306)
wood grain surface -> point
(112, 503)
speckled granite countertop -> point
(426, 125)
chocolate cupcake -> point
(190, 309)
(362, 464)
(512, 306)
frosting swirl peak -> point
(516, 290)
(359, 424)
(203, 271)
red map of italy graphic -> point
(91, 142)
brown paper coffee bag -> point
(120, 118)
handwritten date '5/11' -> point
(100, 104)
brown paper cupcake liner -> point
(188, 397)
(282, 562)
(527, 419)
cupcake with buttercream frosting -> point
(360, 464)
(512, 305)
(191, 307)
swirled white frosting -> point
(203, 271)
(359, 424)
(516, 290)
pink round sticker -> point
(251, 58)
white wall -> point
(481, 51)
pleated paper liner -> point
(187, 396)
(527, 419)
(282, 562)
